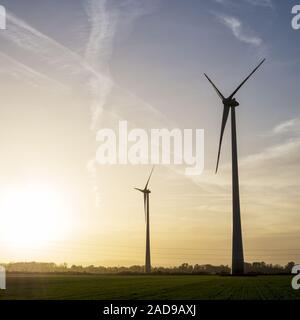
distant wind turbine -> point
(146, 193)
(229, 104)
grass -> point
(98, 287)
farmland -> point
(101, 287)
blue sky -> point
(71, 67)
(182, 40)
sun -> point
(32, 216)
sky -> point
(69, 68)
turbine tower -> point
(229, 105)
(146, 193)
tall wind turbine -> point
(146, 193)
(229, 104)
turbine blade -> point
(224, 121)
(217, 90)
(139, 189)
(239, 87)
(149, 178)
(145, 206)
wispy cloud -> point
(269, 185)
(19, 71)
(106, 20)
(284, 154)
(103, 24)
(277, 165)
(240, 32)
(291, 126)
(104, 17)
(62, 61)
(259, 3)
(91, 70)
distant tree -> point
(290, 266)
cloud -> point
(90, 71)
(291, 126)
(259, 3)
(103, 23)
(19, 71)
(239, 31)
(105, 19)
(277, 166)
(285, 154)
(62, 62)
(269, 186)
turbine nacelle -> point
(230, 103)
(143, 190)
(146, 190)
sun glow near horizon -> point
(32, 215)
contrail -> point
(104, 19)
(61, 59)
(19, 70)
(47, 50)
(91, 69)
(98, 51)
(103, 23)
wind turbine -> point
(146, 193)
(229, 104)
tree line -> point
(185, 268)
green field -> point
(147, 287)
